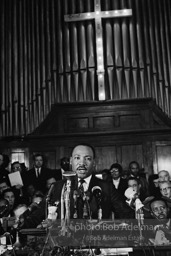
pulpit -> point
(84, 237)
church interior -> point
(68, 78)
(86, 71)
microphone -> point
(75, 195)
(3, 210)
(49, 192)
(97, 192)
(69, 174)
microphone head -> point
(69, 175)
(130, 193)
(4, 210)
(97, 191)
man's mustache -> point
(161, 215)
(81, 167)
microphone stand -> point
(65, 208)
(140, 218)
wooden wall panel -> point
(162, 153)
(131, 153)
(106, 156)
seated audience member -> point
(136, 185)
(106, 175)
(4, 161)
(30, 190)
(134, 171)
(153, 182)
(164, 175)
(85, 184)
(4, 184)
(50, 180)
(134, 192)
(38, 174)
(9, 195)
(18, 211)
(162, 224)
(4, 212)
(37, 197)
(18, 167)
(119, 183)
(20, 192)
(125, 174)
(65, 167)
(165, 189)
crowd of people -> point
(90, 197)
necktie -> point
(37, 173)
(81, 187)
(80, 201)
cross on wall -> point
(98, 15)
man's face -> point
(82, 161)
(115, 173)
(159, 210)
(134, 169)
(134, 184)
(165, 189)
(31, 190)
(49, 182)
(16, 167)
(10, 197)
(3, 186)
(164, 176)
(38, 161)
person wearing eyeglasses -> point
(119, 183)
(136, 185)
(165, 189)
(163, 176)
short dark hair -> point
(105, 171)
(157, 199)
(133, 162)
(117, 166)
(134, 178)
(86, 145)
(16, 162)
(8, 190)
(38, 154)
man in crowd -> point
(134, 170)
(162, 223)
(38, 174)
(165, 188)
(83, 164)
(163, 175)
(136, 185)
(4, 184)
(65, 167)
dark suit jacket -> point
(123, 185)
(57, 174)
(111, 201)
(39, 183)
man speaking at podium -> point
(97, 193)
